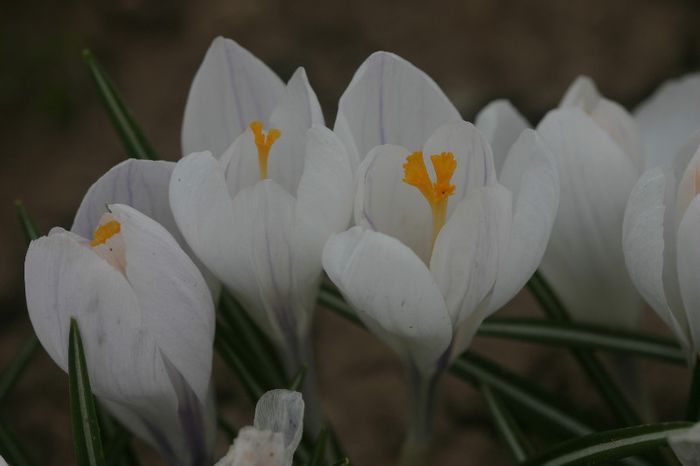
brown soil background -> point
(56, 140)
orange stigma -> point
(416, 174)
(264, 143)
(105, 232)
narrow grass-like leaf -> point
(607, 446)
(583, 336)
(252, 386)
(86, 430)
(298, 379)
(129, 132)
(25, 221)
(692, 410)
(11, 448)
(506, 425)
(226, 427)
(319, 451)
(14, 370)
(609, 391)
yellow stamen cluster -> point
(416, 174)
(105, 232)
(264, 143)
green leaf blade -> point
(86, 430)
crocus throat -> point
(264, 143)
(436, 193)
(105, 232)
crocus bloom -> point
(143, 185)
(599, 155)
(440, 243)
(661, 245)
(147, 322)
(686, 446)
(275, 434)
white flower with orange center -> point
(440, 243)
(147, 323)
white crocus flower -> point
(143, 185)
(668, 119)
(234, 89)
(686, 446)
(147, 322)
(275, 434)
(599, 155)
(661, 246)
(438, 249)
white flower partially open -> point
(262, 241)
(275, 434)
(440, 243)
(147, 322)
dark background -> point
(56, 140)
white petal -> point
(582, 93)
(668, 118)
(390, 101)
(501, 123)
(297, 111)
(282, 411)
(2, 461)
(253, 447)
(530, 173)
(231, 89)
(584, 261)
(466, 254)
(686, 446)
(323, 207)
(688, 266)
(644, 246)
(473, 154)
(143, 185)
(385, 203)
(176, 307)
(393, 293)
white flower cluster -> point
(426, 223)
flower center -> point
(264, 143)
(436, 193)
(105, 232)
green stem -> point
(421, 410)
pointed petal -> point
(643, 243)
(686, 446)
(143, 185)
(466, 254)
(668, 118)
(176, 307)
(688, 265)
(621, 127)
(385, 203)
(584, 260)
(282, 411)
(240, 163)
(231, 89)
(501, 123)
(297, 111)
(530, 173)
(473, 154)
(582, 93)
(393, 293)
(390, 101)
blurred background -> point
(56, 140)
